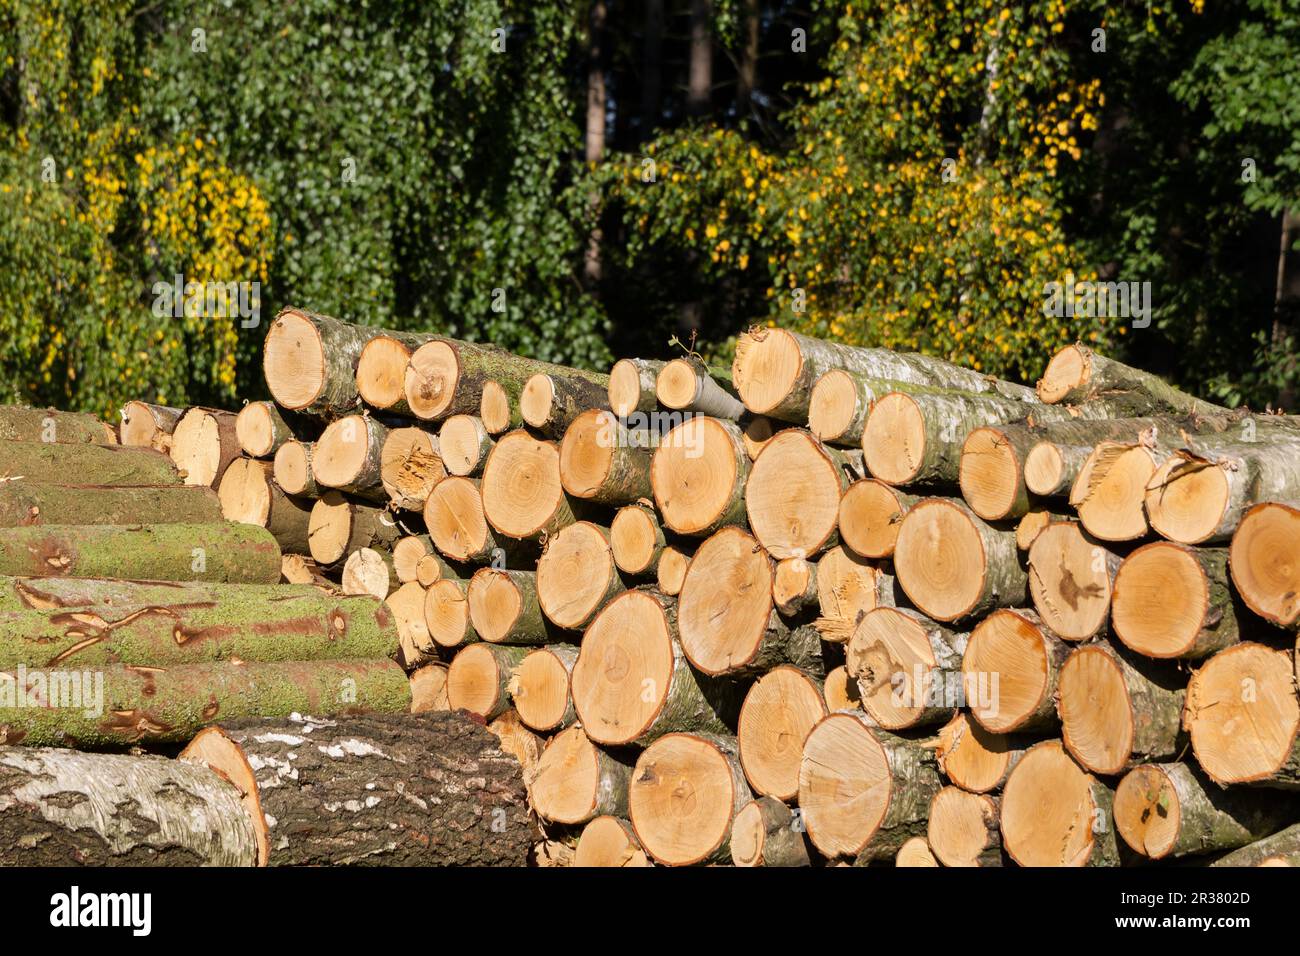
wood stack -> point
(832, 605)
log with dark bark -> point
(89, 464)
(431, 789)
(38, 503)
(167, 552)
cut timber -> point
(863, 792)
(381, 372)
(728, 622)
(1032, 525)
(839, 406)
(609, 841)
(952, 565)
(249, 494)
(1117, 710)
(636, 539)
(518, 741)
(1077, 374)
(204, 444)
(368, 571)
(292, 469)
(1174, 601)
(765, 833)
(235, 553)
(50, 426)
(148, 426)
(670, 571)
(478, 678)
(300, 625)
(523, 497)
(65, 808)
(464, 443)
(171, 704)
(632, 683)
(688, 385)
(410, 465)
(1110, 491)
(339, 525)
(1055, 814)
(105, 594)
(576, 575)
(540, 689)
(454, 516)
(429, 688)
(756, 431)
(1280, 849)
(1070, 581)
(1171, 810)
(792, 496)
(915, 435)
(347, 457)
(296, 569)
(261, 429)
(601, 460)
(780, 709)
(1051, 467)
(446, 613)
(499, 409)
(699, 472)
(840, 691)
(90, 464)
(551, 401)
(36, 503)
(503, 607)
(847, 588)
(577, 781)
(686, 790)
(1243, 715)
(213, 750)
(992, 472)
(430, 789)
(632, 386)
(406, 604)
(1265, 563)
(915, 852)
(309, 362)
(973, 758)
(1011, 668)
(794, 585)
(907, 668)
(963, 828)
(407, 553)
(870, 514)
(775, 370)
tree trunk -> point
(24, 503)
(747, 68)
(49, 426)
(91, 464)
(204, 445)
(167, 552)
(249, 494)
(171, 704)
(700, 86)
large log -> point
(178, 552)
(64, 808)
(90, 464)
(792, 495)
(908, 669)
(18, 423)
(975, 759)
(249, 494)
(128, 704)
(1265, 563)
(309, 362)
(780, 709)
(604, 461)
(204, 445)
(688, 385)
(523, 496)
(105, 594)
(305, 624)
(431, 789)
(410, 466)
(1171, 810)
(38, 503)
(863, 792)
(1055, 814)
(576, 575)
(699, 472)
(1077, 374)
(1012, 667)
(577, 781)
(678, 832)
(1170, 600)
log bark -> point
(1077, 374)
(204, 445)
(65, 808)
(37, 503)
(48, 425)
(688, 385)
(106, 594)
(235, 553)
(171, 704)
(91, 464)
(148, 426)
(1280, 849)
(249, 494)
(551, 400)
(431, 789)
(765, 833)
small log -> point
(248, 494)
(261, 429)
(840, 690)
(765, 833)
(1012, 668)
(915, 853)
(309, 362)
(576, 575)
(992, 471)
(204, 445)
(794, 585)
(339, 525)
(679, 832)
(115, 465)
(148, 426)
(699, 472)
(603, 461)
(1265, 563)
(839, 406)
(632, 384)
(415, 645)
(479, 678)
(780, 709)
(503, 607)
(963, 828)
(368, 571)
(407, 553)
(847, 588)
(464, 444)
(688, 385)
(637, 539)
(348, 457)
(609, 841)
(429, 688)
(974, 758)
(1051, 468)
(1174, 601)
(499, 408)
(869, 517)
(446, 613)
(296, 569)
(410, 466)
(36, 503)
(1055, 814)
(577, 781)
(550, 401)
(292, 469)
(381, 370)
(540, 689)
(670, 572)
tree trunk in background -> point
(747, 68)
(652, 72)
(701, 68)
(595, 151)
(1290, 228)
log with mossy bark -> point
(551, 400)
(105, 594)
(1280, 849)
(432, 789)
(115, 465)
(303, 625)
(1077, 374)
(150, 704)
(175, 552)
(66, 808)
(18, 423)
(37, 503)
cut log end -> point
(670, 572)
(895, 438)
(567, 787)
(1008, 647)
(1067, 371)
(870, 514)
(767, 367)
(293, 468)
(476, 681)
(725, 602)
(1161, 600)
(683, 798)
(1050, 811)
(366, 571)
(495, 604)
(779, 711)
(892, 660)
(430, 380)
(974, 758)
(537, 400)
(940, 559)
(294, 361)
(793, 495)
(609, 842)
(1096, 712)
(453, 515)
(963, 828)
(576, 575)
(990, 474)
(203, 445)
(1148, 814)
(696, 476)
(540, 688)
(463, 444)
(915, 852)
(1110, 491)
(429, 689)
(446, 613)
(211, 748)
(626, 394)
(255, 429)
(1186, 500)
(522, 491)
(675, 386)
(245, 492)
(635, 539)
(1070, 581)
(381, 371)
(833, 405)
(1265, 563)
(587, 453)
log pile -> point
(830, 606)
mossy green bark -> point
(37, 503)
(51, 594)
(18, 423)
(90, 464)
